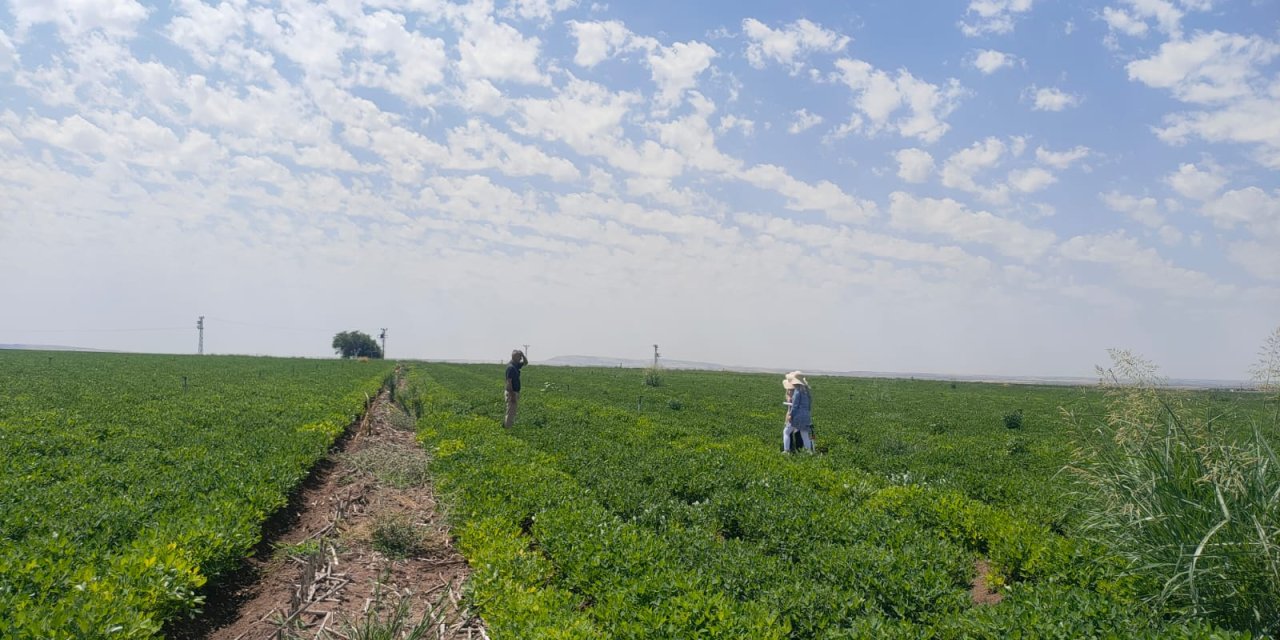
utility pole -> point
(655, 356)
(200, 326)
(383, 336)
(526, 351)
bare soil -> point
(981, 592)
(362, 545)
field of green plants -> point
(616, 509)
(129, 480)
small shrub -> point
(652, 378)
(674, 404)
(1013, 419)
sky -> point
(1007, 187)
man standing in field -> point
(518, 361)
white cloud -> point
(675, 69)
(75, 18)
(1223, 73)
(1192, 182)
(1251, 206)
(497, 51)
(823, 196)
(804, 121)
(1210, 68)
(1120, 20)
(989, 61)
(951, 219)
(1031, 180)
(878, 96)
(1166, 14)
(959, 171)
(8, 53)
(598, 41)
(1262, 260)
(540, 10)
(1061, 159)
(914, 165)
(790, 44)
(731, 122)
(1248, 121)
(1144, 210)
(1052, 99)
(1140, 266)
(585, 115)
(477, 145)
(1170, 235)
(305, 33)
(992, 16)
(420, 62)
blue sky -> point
(994, 186)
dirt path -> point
(365, 550)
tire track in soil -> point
(319, 571)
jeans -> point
(806, 437)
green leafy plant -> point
(1013, 419)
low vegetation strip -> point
(130, 480)
(622, 510)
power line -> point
(97, 330)
(267, 326)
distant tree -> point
(356, 344)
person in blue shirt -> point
(799, 411)
(518, 361)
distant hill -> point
(631, 363)
(48, 347)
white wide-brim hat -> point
(792, 379)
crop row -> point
(130, 480)
(597, 516)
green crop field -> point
(614, 509)
(128, 480)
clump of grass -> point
(401, 421)
(652, 377)
(1194, 511)
(386, 620)
(410, 400)
(396, 536)
(304, 549)
(393, 465)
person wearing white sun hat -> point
(799, 412)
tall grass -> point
(1195, 510)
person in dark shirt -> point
(518, 361)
